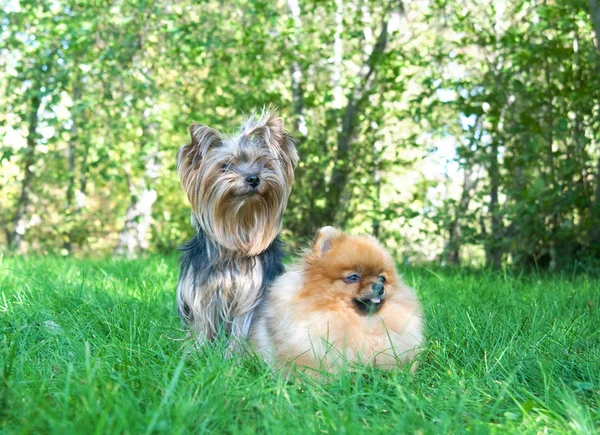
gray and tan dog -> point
(238, 186)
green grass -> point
(96, 347)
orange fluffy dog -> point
(343, 303)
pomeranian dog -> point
(344, 303)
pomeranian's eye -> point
(382, 279)
(352, 278)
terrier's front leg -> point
(239, 330)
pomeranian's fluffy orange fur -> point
(343, 303)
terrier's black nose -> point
(377, 289)
(253, 180)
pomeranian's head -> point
(348, 272)
(239, 185)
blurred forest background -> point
(461, 132)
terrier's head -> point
(238, 185)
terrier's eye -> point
(226, 166)
(351, 279)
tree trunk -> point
(341, 169)
(455, 233)
(71, 160)
(597, 198)
(470, 182)
(132, 239)
(306, 227)
(494, 250)
(595, 231)
(296, 74)
(377, 151)
(551, 166)
(595, 15)
(18, 231)
(338, 55)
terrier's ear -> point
(189, 156)
(203, 138)
(280, 139)
(275, 125)
(269, 129)
(323, 240)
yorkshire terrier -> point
(344, 303)
(238, 186)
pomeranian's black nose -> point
(377, 289)
(253, 180)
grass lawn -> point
(96, 347)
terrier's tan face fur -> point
(239, 185)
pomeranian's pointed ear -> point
(323, 240)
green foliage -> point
(98, 99)
(96, 346)
(530, 89)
